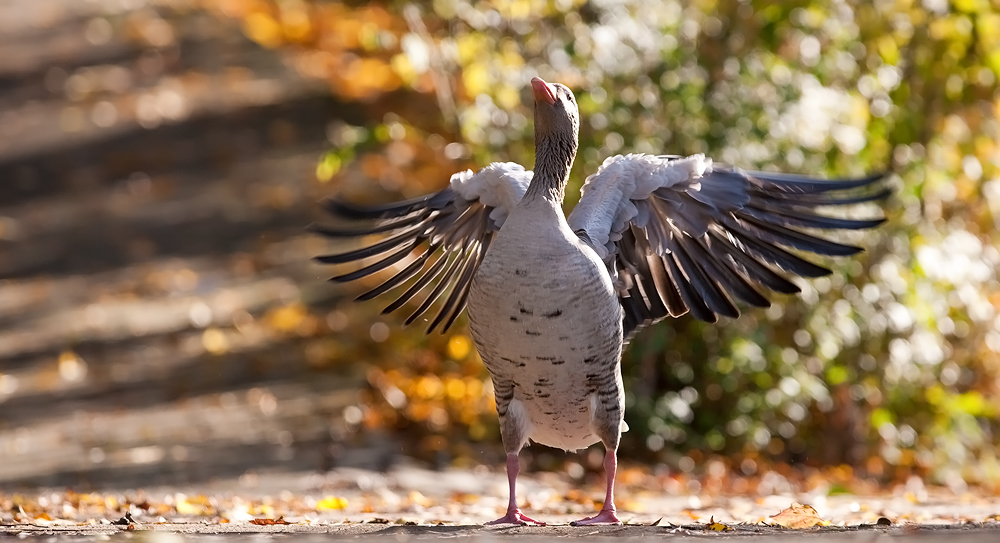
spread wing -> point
(682, 234)
(434, 243)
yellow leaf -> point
(717, 526)
(332, 503)
(798, 517)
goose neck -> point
(553, 160)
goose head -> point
(557, 126)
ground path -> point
(412, 502)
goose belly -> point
(551, 326)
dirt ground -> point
(411, 502)
(170, 534)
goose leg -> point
(608, 425)
(514, 514)
(514, 432)
(608, 514)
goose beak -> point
(543, 91)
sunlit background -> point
(160, 319)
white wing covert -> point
(680, 234)
(443, 236)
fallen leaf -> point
(269, 521)
(125, 521)
(717, 526)
(799, 516)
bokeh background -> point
(161, 321)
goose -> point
(553, 300)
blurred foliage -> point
(889, 365)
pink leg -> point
(608, 515)
(514, 514)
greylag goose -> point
(553, 300)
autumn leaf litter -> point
(414, 496)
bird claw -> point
(606, 516)
(515, 516)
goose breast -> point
(546, 319)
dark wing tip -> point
(350, 211)
(740, 232)
(811, 184)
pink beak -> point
(543, 91)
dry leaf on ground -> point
(269, 521)
(799, 516)
(716, 526)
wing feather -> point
(691, 300)
(446, 280)
(682, 235)
(407, 273)
(730, 277)
(442, 238)
(427, 278)
(405, 237)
